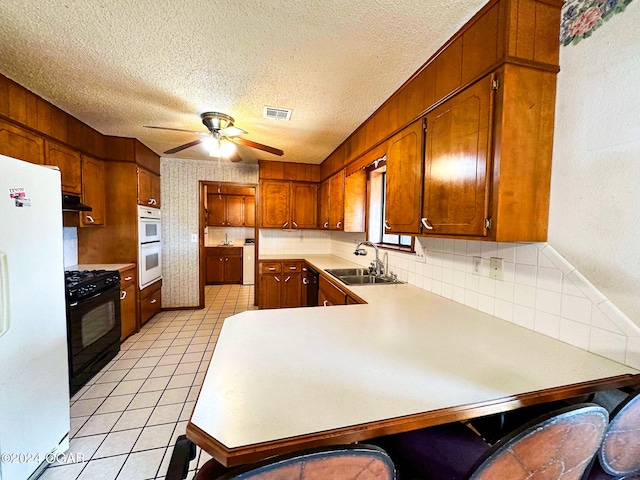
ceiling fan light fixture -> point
(227, 149)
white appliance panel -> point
(34, 382)
(248, 264)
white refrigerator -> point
(34, 381)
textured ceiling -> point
(119, 65)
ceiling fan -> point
(221, 139)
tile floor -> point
(125, 421)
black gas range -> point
(93, 322)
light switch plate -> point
(194, 237)
(495, 268)
(477, 265)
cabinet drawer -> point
(270, 267)
(291, 267)
(127, 277)
(150, 301)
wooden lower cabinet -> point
(223, 265)
(128, 304)
(281, 284)
(330, 294)
(150, 301)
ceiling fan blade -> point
(235, 157)
(178, 130)
(232, 131)
(183, 147)
(259, 146)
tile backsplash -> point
(287, 242)
(70, 246)
(540, 289)
(235, 235)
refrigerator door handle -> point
(4, 294)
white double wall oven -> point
(150, 246)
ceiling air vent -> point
(275, 113)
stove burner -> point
(83, 283)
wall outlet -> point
(194, 237)
(477, 265)
(495, 268)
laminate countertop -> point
(406, 359)
(102, 266)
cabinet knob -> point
(386, 225)
(123, 295)
(326, 225)
(277, 279)
(339, 225)
(285, 224)
(305, 281)
(152, 201)
(295, 225)
(90, 219)
(271, 269)
(287, 279)
(220, 259)
(426, 223)
(153, 301)
(126, 279)
(226, 259)
(325, 303)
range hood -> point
(72, 203)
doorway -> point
(228, 234)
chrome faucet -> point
(376, 266)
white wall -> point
(595, 184)
(179, 186)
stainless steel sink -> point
(345, 272)
(365, 280)
(359, 276)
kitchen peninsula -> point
(287, 379)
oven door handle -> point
(75, 304)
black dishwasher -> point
(311, 282)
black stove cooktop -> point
(84, 283)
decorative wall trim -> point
(580, 18)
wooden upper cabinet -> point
(93, 191)
(216, 210)
(148, 188)
(68, 161)
(404, 180)
(355, 202)
(274, 201)
(288, 205)
(18, 143)
(457, 163)
(235, 210)
(323, 205)
(336, 201)
(250, 211)
(304, 198)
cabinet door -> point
(215, 270)
(233, 270)
(128, 310)
(155, 189)
(93, 191)
(404, 179)
(249, 211)
(216, 209)
(270, 291)
(457, 163)
(20, 144)
(274, 200)
(323, 205)
(291, 290)
(336, 201)
(144, 187)
(304, 201)
(68, 161)
(355, 202)
(330, 293)
(235, 207)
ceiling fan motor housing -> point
(216, 121)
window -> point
(377, 202)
